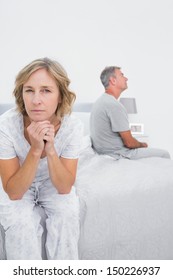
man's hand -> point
(143, 145)
(131, 142)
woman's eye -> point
(46, 90)
(28, 90)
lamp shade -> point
(129, 104)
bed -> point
(126, 205)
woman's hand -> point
(49, 140)
(37, 134)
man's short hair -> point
(107, 73)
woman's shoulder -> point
(10, 118)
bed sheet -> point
(126, 207)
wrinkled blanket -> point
(126, 207)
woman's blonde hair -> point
(57, 72)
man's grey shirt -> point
(108, 118)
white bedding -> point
(126, 207)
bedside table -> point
(141, 137)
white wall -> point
(85, 36)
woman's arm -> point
(62, 172)
(16, 180)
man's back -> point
(108, 118)
(109, 126)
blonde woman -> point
(39, 149)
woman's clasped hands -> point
(41, 135)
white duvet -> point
(126, 207)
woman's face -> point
(41, 96)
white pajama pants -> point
(22, 225)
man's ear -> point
(112, 80)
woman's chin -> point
(40, 117)
(37, 119)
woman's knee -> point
(64, 204)
(17, 214)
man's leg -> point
(149, 152)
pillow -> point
(6, 106)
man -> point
(109, 125)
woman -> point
(39, 148)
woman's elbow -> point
(66, 189)
(14, 196)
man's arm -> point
(131, 142)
